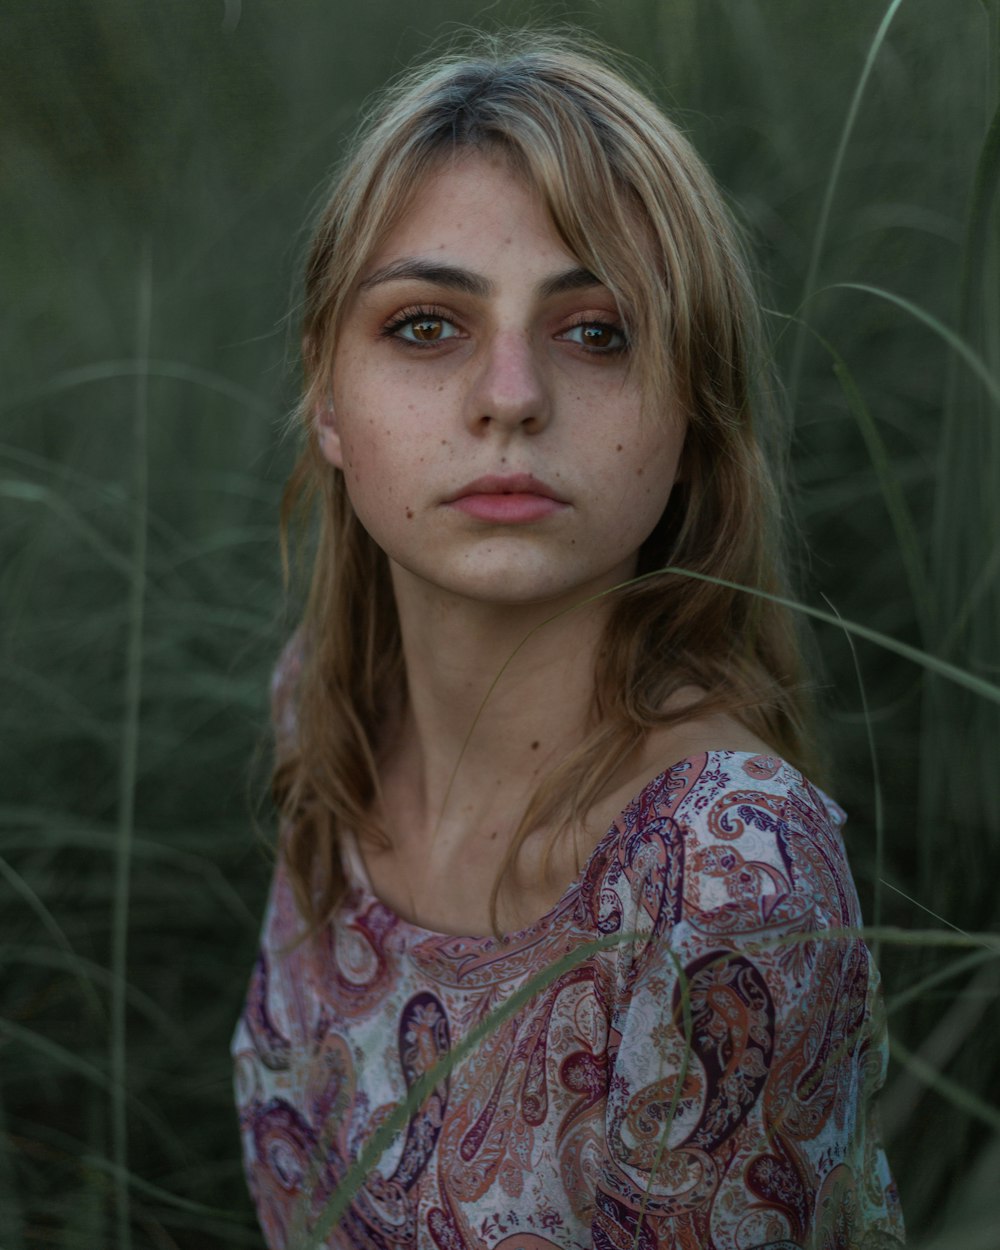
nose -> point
(510, 390)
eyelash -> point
(428, 312)
(614, 327)
(406, 316)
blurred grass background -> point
(158, 163)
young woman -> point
(549, 859)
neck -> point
(496, 697)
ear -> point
(328, 435)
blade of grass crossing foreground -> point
(819, 238)
(339, 1201)
(128, 762)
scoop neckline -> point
(361, 882)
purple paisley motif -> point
(534, 1095)
(732, 1019)
(777, 1180)
(374, 924)
(585, 1075)
(616, 1226)
(424, 1039)
(270, 1045)
(473, 1138)
(660, 892)
(444, 1229)
(285, 1144)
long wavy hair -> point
(634, 204)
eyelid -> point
(416, 312)
(604, 321)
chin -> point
(512, 583)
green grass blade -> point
(985, 185)
(956, 1094)
(55, 931)
(11, 1216)
(936, 978)
(164, 1196)
(86, 971)
(895, 502)
(876, 786)
(892, 494)
(932, 663)
(822, 225)
(955, 341)
(371, 1152)
(29, 492)
(142, 370)
(129, 762)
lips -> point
(514, 484)
(516, 499)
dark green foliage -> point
(164, 155)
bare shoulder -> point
(668, 745)
(717, 731)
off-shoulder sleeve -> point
(747, 1036)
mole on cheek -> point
(638, 472)
(619, 447)
(409, 514)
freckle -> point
(639, 472)
(444, 442)
(493, 836)
(503, 459)
(409, 514)
(619, 447)
(535, 746)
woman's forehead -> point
(471, 210)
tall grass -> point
(860, 142)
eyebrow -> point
(469, 283)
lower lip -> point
(507, 509)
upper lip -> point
(513, 484)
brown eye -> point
(427, 329)
(422, 329)
(597, 336)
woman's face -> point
(491, 435)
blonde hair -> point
(632, 201)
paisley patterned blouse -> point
(698, 1071)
